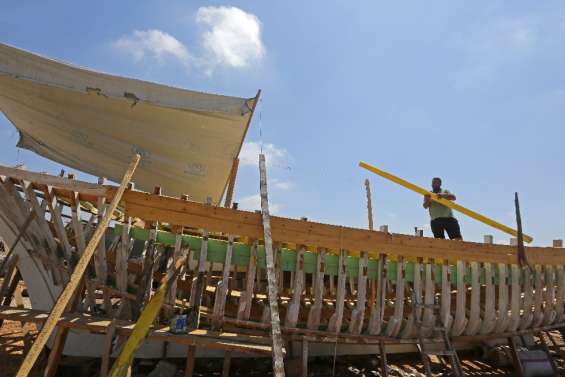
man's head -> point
(436, 184)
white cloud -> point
(153, 44)
(274, 156)
(232, 37)
(253, 202)
(281, 185)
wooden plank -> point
(122, 256)
(314, 315)
(173, 211)
(336, 319)
(295, 302)
(448, 203)
(278, 365)
(69, 290)
(53, 181)
(369, 204)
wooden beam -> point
(231, 183)
(369, 204)
(278, 364)
(174, 211)
(448, 203)
(69, 291)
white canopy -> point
(95, 122)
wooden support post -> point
(278, 365)
(304, 365)
(336, 319)
(369, 204)
(294, 307)
(316, 310)
(100, 256)
(246, 298)
(197, 289)
(384, 366)
(56, 351)
(107, 350)
(189, 368)
(231, 183)
(69, 290)
(222, 288)
(227, 364)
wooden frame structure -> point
(333, 283)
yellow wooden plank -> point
(447, 203)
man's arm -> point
(427, 200)
(447, 195)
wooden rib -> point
(460, 320)
(146, 281)
(337, 317)
(474, 323)
(222, 288)
(57, 220)
(538, 296)
(172, 291)
(231, 184)
(395, 322)
(527, 315)
(550, 314)
(428, 319)
(316, 310)
(409, 330)
(100, 263)
(503, 319)
(377, 311)
(246, 299)
(559, 301)
(358, 314)
(122, 257)
(69, 290)
(489, 315)
(515, 294)
(294, 307)
(197, 288)
(445, 307)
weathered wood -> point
(377, 311)
(474, 323)
(527, 315)
(515, 299)
(559, 301)
(222, 288)
(197, 288)
(231, 183)
(189, 368)
(227, 364)
(122, 256)
(295, 302)
(57, 221)
(369, 204)
(445, 307)
(246, 299)
(314, 315)
(395, 322)
(337, 317)
(428, 319)
(67, 294)
(107, 349)
(358, 314)
(460, 320)
(503, 319)
(488, 322)
(56, 352)
(100, 263)
(278, 365)
(549, 313)
(538, 296)
(304, 364)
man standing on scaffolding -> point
(442, 219)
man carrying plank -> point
(442, 219)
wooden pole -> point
(522, 261)
(231, 184)
(69, 291)
(369, 204)
(278, 364)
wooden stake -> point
(189, 369)
(369, 204)
(69, 291)
(278, 365)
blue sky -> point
(473, 92)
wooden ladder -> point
(438, 329)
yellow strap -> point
(445, 202)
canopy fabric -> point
(95, 122)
